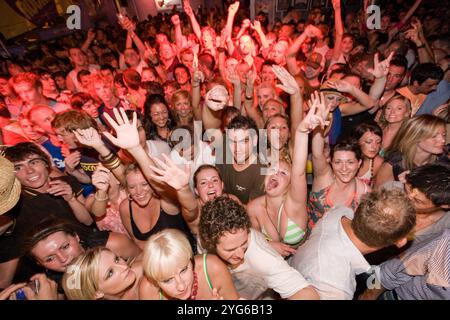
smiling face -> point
(263, 95)
(231, 246)
(347, 45)
(270, 109)
(396, 111)
(32, 172)
(278, 179)
(57, 251)
(436, 143)
(208, 185)
(114, 275)
(370, 144)
(183, 107)
(278, 132)
(159, 114)
(179, 284)
(345, 165)
(138, 188)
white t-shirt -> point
(264, 268)
(329, 260)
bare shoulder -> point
(377, 163)
(147, 290)
(215, 266)
(255, 206)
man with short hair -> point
(28, 87)
(80, 62)
(424, 80)
(333, 255)
(254, 265)
(240, 167)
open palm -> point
(126, 131)
(169, 173)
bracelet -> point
(220, 49)
(108, 157)
(156, 63)
(113, 164)
(420, 47)
(305, 131)
(101, 199)
(248, 98)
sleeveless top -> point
(165, 221)
(294, 234)
(319, 203)
(368, 176)
(205, 270)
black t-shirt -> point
(31, 210)
(246, 185)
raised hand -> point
(89, 137)
(198, 77)
(288, 82)
(251, 78)
(233, 8)
(101, 178)
(175, 20)
(233, 77)
(150, 53)
(168, 172)
(336, 4)
(224, 34)
(59, 188)
(91, 34)
(380, 69)
(341, 85)
(316, 115)
(188, 8)
(256, 26)
(72, 161)
(126, 131)
(322, 109)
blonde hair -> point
(80, 281)
(411, 133)
(164, 252)
(284, 150)
(383, 122)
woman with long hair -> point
(419, 141)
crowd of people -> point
(202, 155)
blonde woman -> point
(182, 108)
(396, 110)
(419, 141)
(100, 274)
(173, 272)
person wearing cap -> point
(312, 69)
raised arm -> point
(380, 71)
(415, 34)
(194, 23)
(364, 102)
(339, 29)
(87, 43)
(291, 54)
(262, 37)
(197, 78)
(290, 86)
(178, 33)
(321, 167)
(233, 77)
(128, 139)
(295, 204)
(251, 109)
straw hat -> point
(9, 186)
